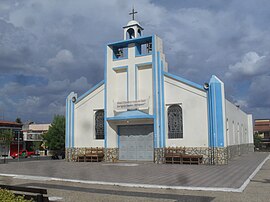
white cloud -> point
(250, 65)
(80, 83)
(63, 57)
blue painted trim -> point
(219, 112)
(215, 113)
(72, 123)
(90, 91)
(161, 116)
(124, 43)
(136, 82)
(190, 83)
(210, 118)
(155, 90)
(163, 105)
(105, 98)
(138, 49)
(159, 100)
(131, 115)
(116, 118)
(120, 68)
(213, 110)
(127, 84)
(67, 124)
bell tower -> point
(133, 29)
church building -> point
(139, 109)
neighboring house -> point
(33, 132)
(139, 109)
(17, 138)
(262, 127)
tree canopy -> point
(55, 137)
(6, 136)
(18, 120)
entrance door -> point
(136, 143)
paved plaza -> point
(232, 177)
(245, 179)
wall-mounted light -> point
(73, 99)
(206, 86)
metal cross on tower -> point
(133, 13)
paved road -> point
(32, 158)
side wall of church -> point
(239, 131)
(237, 125)
(194, 105)
(84, 119)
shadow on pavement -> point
(182, 198)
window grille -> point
(175, 122)
(99, 124)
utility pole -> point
(18, 146)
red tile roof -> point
(10, 124)
(262, 125)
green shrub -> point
(8, 196)
(257, 140)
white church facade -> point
(139, 109)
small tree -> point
(36, 146)
(18, 120)
(6, 137)
(257, 140)
(55, 137)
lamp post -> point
(18, 146)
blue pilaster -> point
(70, 120)
(216, 98)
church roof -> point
(133, 23)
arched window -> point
(99, 124)
(131, 33)
(139, 32)
(175, 122)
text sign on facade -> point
(131, 105)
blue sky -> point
(49, 48)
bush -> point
(257, 140)
(8, 196)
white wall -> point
(194, 107)
(84, 122)
(238, 125)
(145, 85)
(121, 85)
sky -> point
(49, 48)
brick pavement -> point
(256, 191)
(224, 177)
